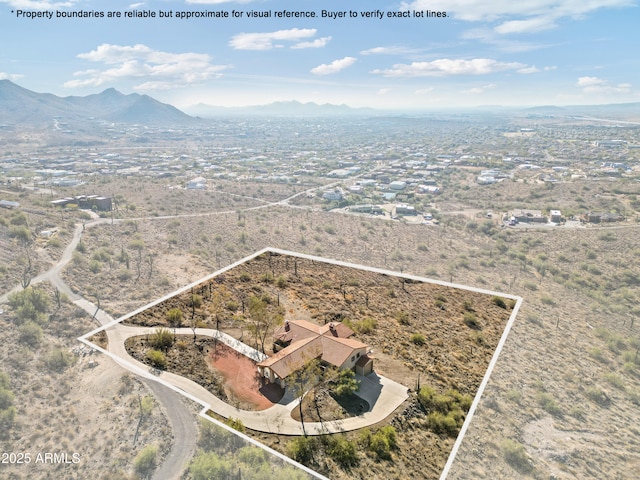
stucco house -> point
(297, 342)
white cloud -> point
(424, 91)
(524, 16)
(530, 25)
(10, 76)
(595, 85)
(317, 43)
(493, 10)
(388, 51)
(136, 5)
(38, 4)
(384, 91)
(160, 69)
(333, 67)
(445, 67)
(216, 2)
(529, 70)
(504, 44)
(479, 90)
(265, 41)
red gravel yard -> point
(242, 382)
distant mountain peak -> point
(21, 106)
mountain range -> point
(21, 106)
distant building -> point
(86, 202)
(9, 204)
(432, 189)
(555, 216)
(486, 180)
(198, 183)
(332, 195)
(602, 217)
(404, 209)
(529, 216)
(397, 185)
(367, 208)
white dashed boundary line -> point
(146, 374)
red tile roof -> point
(309, 341)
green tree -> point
(264, 316)
(210, 466)
(30, 304)
(346, 383)
(145, 461)
(302, 381)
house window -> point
(358, 355)
(353, 358)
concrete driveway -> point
(382, 394)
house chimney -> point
(286, 326)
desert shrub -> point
(547, 300)
(30, 333)
(614, 380)
(366, 325)
(596, 395)
(30, 304)
(210, 465)
(301, 449)
(631, 357)
(597, 354)
(253, 456)
(342, 451)
(94, 266)
(281, 281)
(58, 359)
(607, 236)
(174, 317)
(236, 424)
(245, 277)
(514, 396)
(516, 456)
(157, 359)
(548, 403)
(196, 300)
(232, 306)
(418, 339)
(161, 339)
(145, 461)
(470, 320)
(403, 318)
(499, 301)
(443, 424)
(381, 443)
(124, 275)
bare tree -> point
(263, 316)
(302, 381)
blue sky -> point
(485, 52)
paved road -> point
(182, 422)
